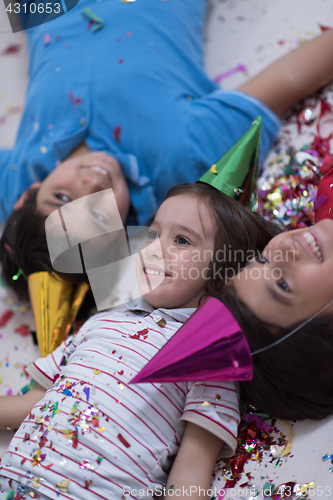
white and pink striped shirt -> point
(93, 435)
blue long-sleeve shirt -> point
(135, 89)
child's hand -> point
(192, 471)
(295, 75)
(14, 409)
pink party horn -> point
(209, 346)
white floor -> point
(241, 33)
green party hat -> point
(236, 171)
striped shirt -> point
(93, 435)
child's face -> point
(294, 279)
(81, 175)
(184, 242)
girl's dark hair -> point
(23, 246)
(294, 379)
(240, 234)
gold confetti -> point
(43, 149)
(205, 403)
(217, 397)
(67, 433)
(101, 429)
(213, 169)
(63, 485)
(36, 482)
(161, 322)
(96, 372)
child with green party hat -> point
(87, 377)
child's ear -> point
(24, 196)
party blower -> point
(209, 346)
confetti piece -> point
(161, 322)
(47, 38)
(240, 68)
(23, 330)
(205, 403)
(86, 390)
(8, 248)
(11, 49)
(55, 409)
(36, 482)
(43, 149)
(63, 485)
(320, 201)
(116, 133)
(213, 169)
(324, 28)
(89, 14)
(5, 317)
(123, 441)
(96, 372)
(74, 101)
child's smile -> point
(174, 266)
(293, 279)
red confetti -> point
(42, 441)
(89, 25)
(26, 437)
(114, 351)
(116, 132)
(74, 102)
(123, 440)
(324, 28)
(11, 49)
(23, 460)
(5, 317)
(121, 61)
(7, 247)
(23, 330)
(120, 372)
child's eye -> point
(283, 285)
(62, 197)
(98, 216)
(181, 240)
(153, 235)
(261, 259)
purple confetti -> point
(230, 72)
(320, 201)
(259, 422)
(86, 390)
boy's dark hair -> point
(23, 246)
(294, 379)
(240, 233)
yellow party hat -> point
(55, 303)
